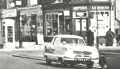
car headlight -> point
(95, 58)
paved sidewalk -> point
(110, 49)
(33, 48)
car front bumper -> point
(78, 61)
(86, 61)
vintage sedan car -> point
(72, 50)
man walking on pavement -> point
(109, 38)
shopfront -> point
(31, 25)
(8, 27)
(71, 19)
(57, 21)
(80, 20)
(102, 19)
(77, 17)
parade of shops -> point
(21, 25)
(40, 23)
(76, 17)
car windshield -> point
(72, 41)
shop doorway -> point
(81, 25)
(9, 33)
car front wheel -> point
(90, 64)
(105, 66)
(103, 62)
(47, 60)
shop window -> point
(51, 24)
(29, 27)
(67, 25)
(20, 3)
(61, 22)
(10, 34)
(33, 27)
(91, 14)
(24, 19)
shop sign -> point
(9, 13)
(19, 3)
(79, 1)
(66, 13)
(80, 8)
(100, 0)
(80, 14)
(100, 7)
(33, 2)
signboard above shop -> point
(9, 13)
(79, 1)
(100, 0)
(100, 7)
(90, 2)
(80, 8)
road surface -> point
(7, 61)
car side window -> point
(81, 42)
(56, 41)
(63, 41)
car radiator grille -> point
(82, 52)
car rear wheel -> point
(47, 60)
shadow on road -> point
(28, 57)
(60, 66)
(54, 65)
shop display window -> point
(51, 21)
(10, 34)
(28, 27)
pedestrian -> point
(118, 36)
(109, 37)
(90, 37)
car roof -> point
(69, 36)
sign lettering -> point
(100, 7)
